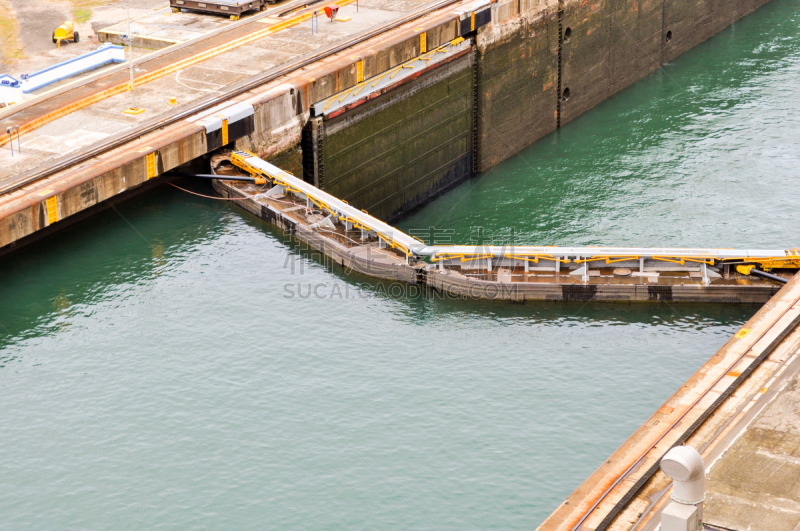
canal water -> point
(177, 363)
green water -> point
(156, 370)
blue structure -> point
(106, 54)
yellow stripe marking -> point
(52, 209)
(423, 42)
(225, 132)
(742, 333)
(152, 169)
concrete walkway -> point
(103, 119)
(755, 486)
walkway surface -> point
(755, 486)
(259, 49)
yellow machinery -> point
(65, 32)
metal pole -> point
(19, 139)
(130, 48)
(764, 274)
(8, 130)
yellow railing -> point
(238, 160)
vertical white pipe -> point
(130, 48)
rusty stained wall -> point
(402, 149)
(593, 48)
(521, 58)
(278, 124)
(517, 69)
(607, 45)
(614, 43)
(101, 182)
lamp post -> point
(133, 109)
(130, 50)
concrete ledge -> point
(139, 41)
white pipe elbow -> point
(686, 467)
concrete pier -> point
(733, 410)
(754, 484)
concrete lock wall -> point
(543, 63)
(517, 80)
(398, 151)
(535, 65)
(538, 65)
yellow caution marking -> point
(742, 333)
(152, 169)
(423, 42)
(225, 132)
(360, 71)
(735, 374)
(45, 192)
(148, 148)
(763, 390)
(472, 22)
(52, 209)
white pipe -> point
(685, 466)
(130, 48)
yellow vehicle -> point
(65, 32)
